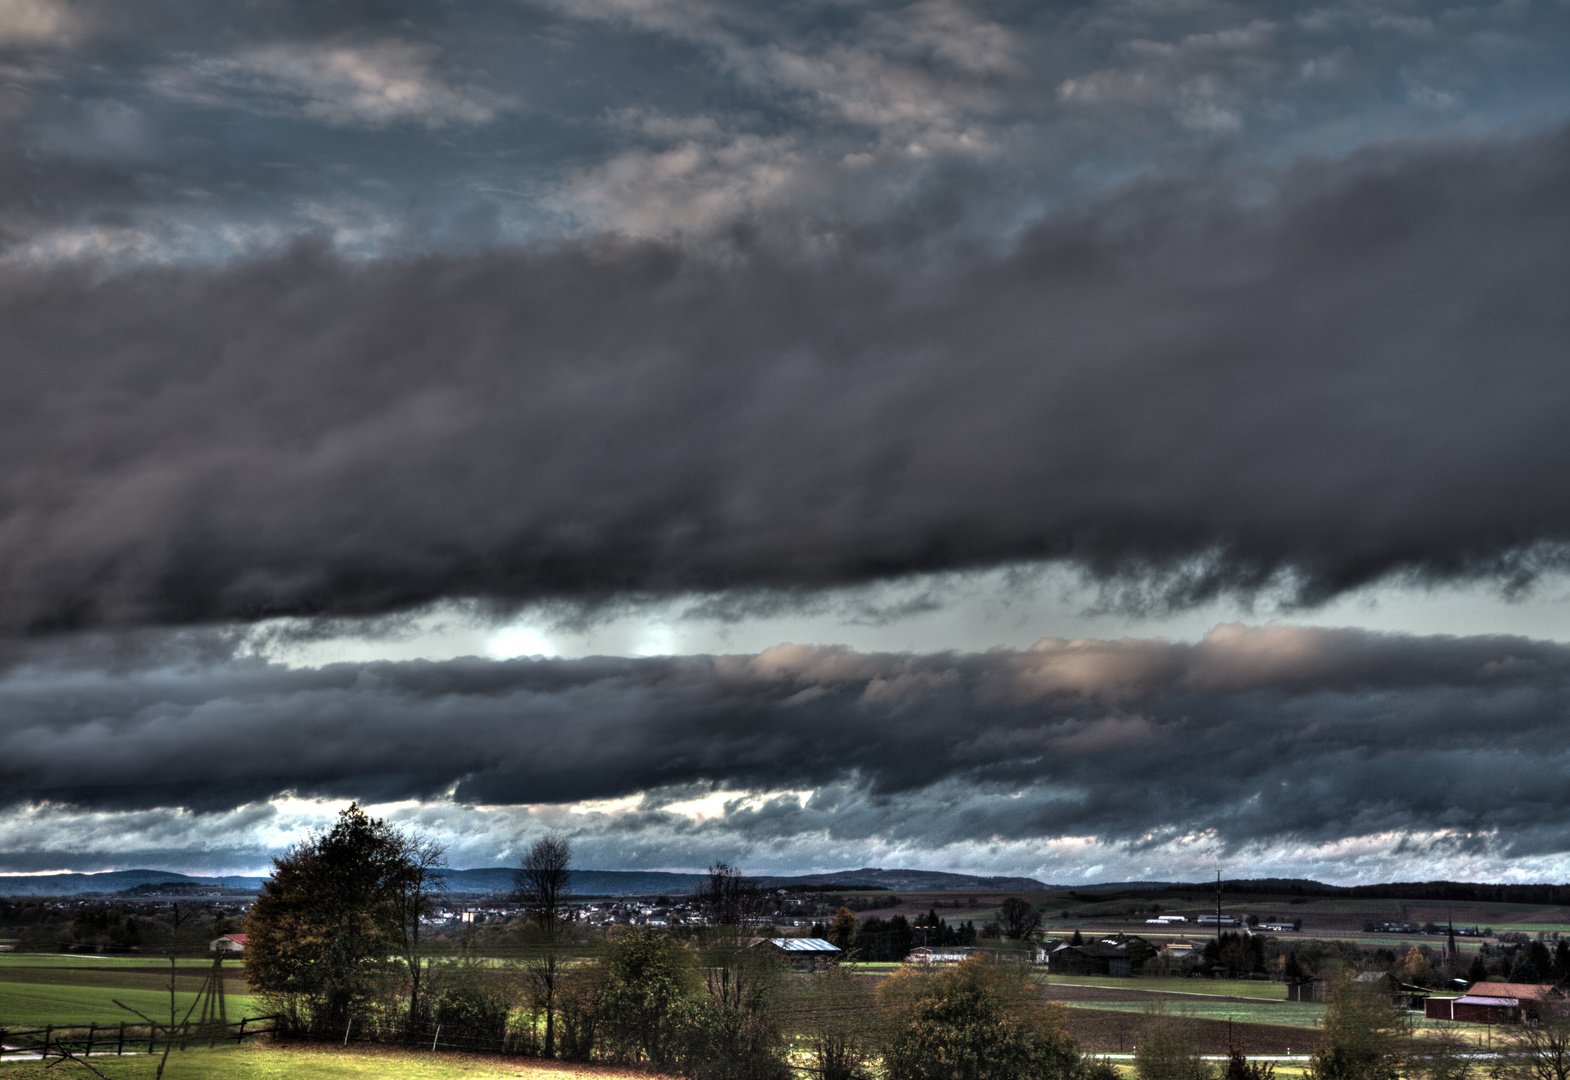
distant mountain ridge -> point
(111, 881)
(499, 879)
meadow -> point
(41, 989)
(260, 1061)
(1285, 1014)
(1244, 988)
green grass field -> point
(37, 989)
(261, 1062)
(1207, 987)
(56, 960)
(1286, 1014)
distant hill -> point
(646, 882)
(114, 881)
(924, 880)
(499, 879)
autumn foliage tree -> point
(330, 926)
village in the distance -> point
(1251, 970)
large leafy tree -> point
(329, 924)
(1365, 1035)
(650, 1000)
(974, 1022)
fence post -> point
(48, 1030)
(435, 1037)
(91, 1028)
(120, 1046)
(240, 1038)
(152, 1035)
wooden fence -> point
(126, 1038)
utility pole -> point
(1218, 907)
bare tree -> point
(1540, 1049)
(1019, 917)
(420, 882)
(729, 899)
(544, 883)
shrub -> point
(1168, 1051)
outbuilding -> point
(228, 943)
(803, 954)
(1496, 1003)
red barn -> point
(1494, 1003)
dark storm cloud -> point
(1346, 371)
(1256, 735)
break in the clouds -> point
(368, 311)
(1248, 745)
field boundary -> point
(97, 1039)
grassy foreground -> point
(293, 1062)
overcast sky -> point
(1093, 440)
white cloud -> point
(372, 84)
(37, 22)
(688, 189)
(1203, 80)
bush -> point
(1167, 1051)
(469, 1017)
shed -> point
(1308, 988)
(1096, 958)
(1485, 1009)
(1403, 995)
(228, 943)
(803, 954)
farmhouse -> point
(803, 954)
(1496, 1003)
(228, 943)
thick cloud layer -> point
(1252, 736)
(1355, 371)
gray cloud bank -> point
(1336, 373)
(1249, 737)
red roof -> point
(241, 938)
(1524, 991)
